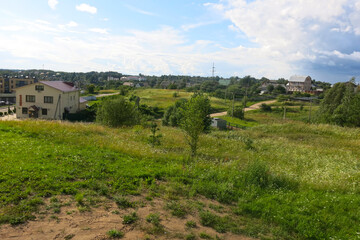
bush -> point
(238, 112)
(118, 112)
(1, 114)
(265, 108)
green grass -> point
(163, 98)
(299, 181)
(243, 123)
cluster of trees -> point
(193, 116)
(341, 105)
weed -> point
(115, 234)
(70, 236)
(190, 236)
(153, 218)
(79, 198)
(190, 224)
(176, 208)
(131, 218)
(205, 236)
(124, 203)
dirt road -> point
(252, 107)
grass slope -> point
(296, 181)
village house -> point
(264, 86)
(299, 84)
(47, 100)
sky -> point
(262, 38)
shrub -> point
(117, 112)
(265, 108)
(1, 114)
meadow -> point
(163, 98)
(280, 179)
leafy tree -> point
(280, 89)
(195, 119)
(265, 108)
(173, 114)
(238, 112)
(91, 88)
(270, 88)
(117, 112)
(341, 105)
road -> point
(252, 107)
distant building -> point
(9, 84)
(130, 84)
(299, 84)
(133, 78)
(48, 100)
(109, 78)
(264, 86)
(225, 82)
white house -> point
(47, 100)
(299, 84)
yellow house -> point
(47, 100)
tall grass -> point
(302, 179)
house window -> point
(48, 99)
(30, 98)
(39, 87)
(44, 111)
(24, 111)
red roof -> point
(61, 86)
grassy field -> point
(281, 180)
(163, 98)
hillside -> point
(274, 181)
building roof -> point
(61, 86)
(298, 78)
(83, 100)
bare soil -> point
(72, 222)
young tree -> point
(195, 119)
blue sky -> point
(270, 38)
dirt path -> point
(106, 94)
(252, 107)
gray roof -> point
(61, 86)
(298, 78)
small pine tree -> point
(154, 139)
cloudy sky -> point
(270, 38)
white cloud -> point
(86, 8)
(141, 11)
(53, 4)
(72, 24)
(99, 30)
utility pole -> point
(284, 117)
(213, 71)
